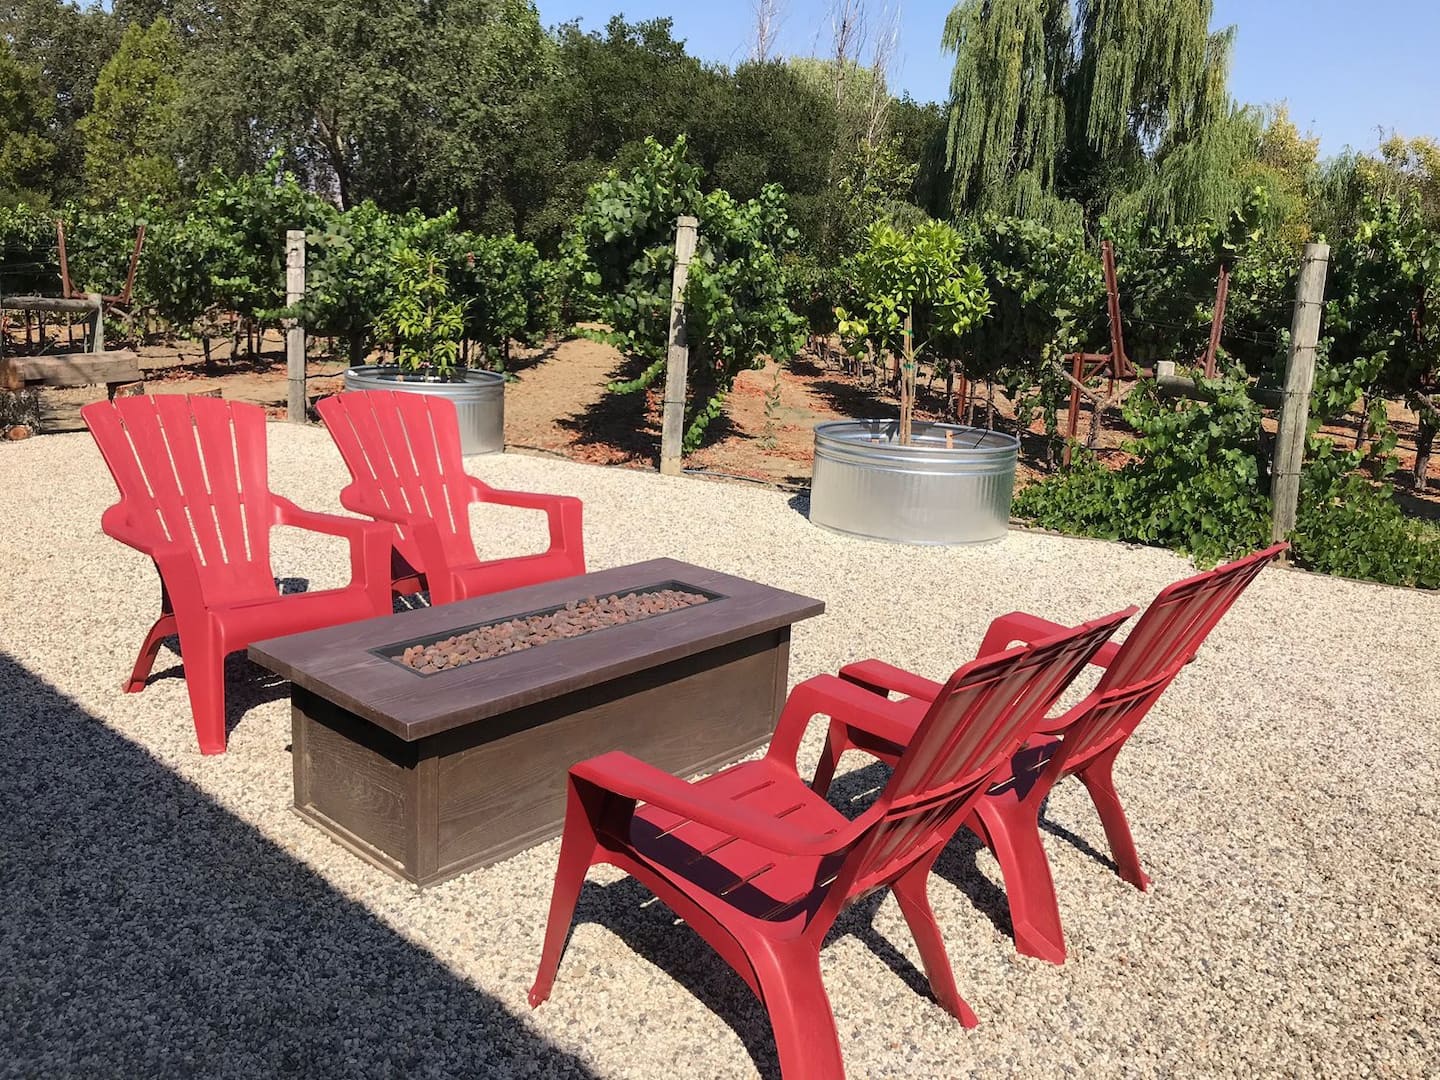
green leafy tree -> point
(610, 90)
(226, 253)
(130, 132)
(912, 290)
(477, 83)
(1054, 106)
(27, 152)
(1385, 315)
(352, 263)
(510, 293)
(1048, 301)
(65, 44)
(621, 254)
(410, 105)
(422, 320)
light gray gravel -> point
(161, 912)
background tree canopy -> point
(1064, 112)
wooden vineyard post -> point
(97, 322)
(677, 362)
(295, 328)
(1299, 380)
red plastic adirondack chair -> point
(194, 497)
(760, 866)
(1084, 741)
(403, 453)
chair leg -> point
(204, 659)
(837, 741)
(788, 974)
(1011, 829)
(164, 627)
(577, 852)
(910, 890)
(1099, 781)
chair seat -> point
(708, 864)
(294, 613)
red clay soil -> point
(557, 402)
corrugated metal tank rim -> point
(479, 400)
(950, 485)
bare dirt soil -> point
(557, 402)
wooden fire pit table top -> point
(348, 666)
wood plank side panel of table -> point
(501, 793)
(358, 782)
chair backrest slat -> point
(192, 471)
(1166, 638)
(403, 452)
(1178, 620)
(981, 716)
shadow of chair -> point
(150, 932)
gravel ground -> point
(167, 913)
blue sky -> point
(1346, 68)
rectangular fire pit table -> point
(430, 775)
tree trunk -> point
(355, 349)
(1092, 436)
(905, 368)
(1362, 429)
(950, 388)
(1424, 444)
(205, 346)
(989, 404)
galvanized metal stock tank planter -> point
(937, 490)
(479, 399)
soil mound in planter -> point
(527, 631)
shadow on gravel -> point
(149, 932)
(852, 792)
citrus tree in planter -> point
(421, 320)
(424, 323)
(911, 290)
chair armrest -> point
(179, 571)
(1017, 626)
(287, 513)
(115, 523)
(566, 513)
(630, 778)
(352, 498)
(369, 545)
(845, 703)
(879, 678)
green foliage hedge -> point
(1197, 483)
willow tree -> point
(1013, 59)
(1055, 101)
